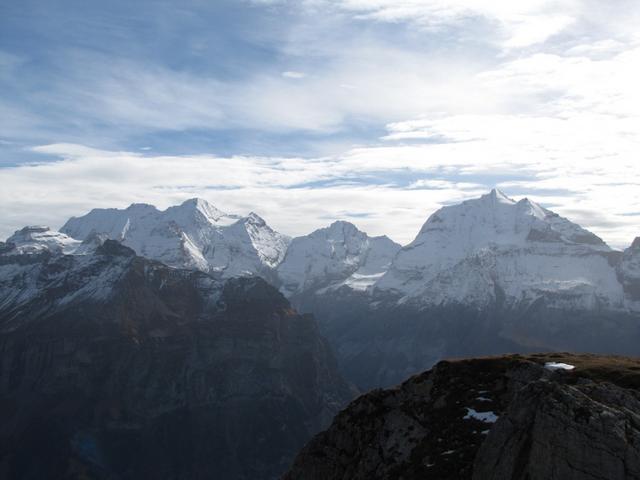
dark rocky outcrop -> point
(498, 418)
(116, 367)
(555, 431)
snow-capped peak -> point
(336, 255)
(342, 228)
(37, 239)
(194, 234)
(255, 219)
(465, 251)
(197, 208)
(497, 219)
(496, 195)
(136, 207)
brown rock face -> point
(113, 366)
(492, 418)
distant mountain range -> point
(194, 235)
(469, 253)
(181, 325)
(487, 275)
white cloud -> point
(520, 24)
(293, 74)
(87, 178)
(297, 195)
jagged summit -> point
(133, 207)
(199, 203)
(194, 234)
(496, 218)
(342, 225)
(199, 207)
(497, 195)
(464, 252)
(29, 233)
(255, 219)
(39, 238)
(335, 256)
(32, 229)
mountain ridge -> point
(194, 234)
(488, 275)
(117, 366)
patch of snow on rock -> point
(486, 417)
(558, 366)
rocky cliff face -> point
(115, 366)
(502, 418)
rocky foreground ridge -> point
(508, 417)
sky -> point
(376, 112)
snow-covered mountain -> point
(474, 253)
(37, 239)
(494, 247)
(194, 235)
(335, 256)
(629, 273)
(486, 276)
(32, 280)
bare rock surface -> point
(504, 417)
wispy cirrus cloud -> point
(516, 24)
